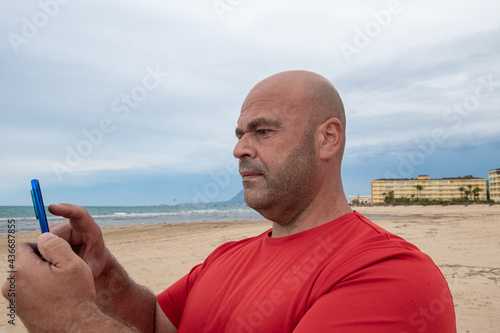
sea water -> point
(111, 215)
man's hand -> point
(84, 236)
(56, 294)
(116, 294)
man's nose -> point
(243, 148)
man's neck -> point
(317, 213)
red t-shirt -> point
(348, 275)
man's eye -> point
(263, 132)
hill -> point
(236, 200)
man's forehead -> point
(260, 98)
(263, 109)
(271, 102)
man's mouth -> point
(249, 175)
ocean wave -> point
(138, 215)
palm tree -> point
(390, 197)
(469, 191)
(476, 192)
(419, 190)
(461, 189)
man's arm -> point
(119, 296)
(116, 293)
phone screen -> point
(36, 195)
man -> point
(321, 268)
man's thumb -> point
(55, 250)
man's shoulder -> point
(239, 245)
(358, 238)
(365, 247)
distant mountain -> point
(236, 200)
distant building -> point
(433, 189)
(364, 199)
(494, 178)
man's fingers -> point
(63, 230)
(55, 250)
(82, 233)
(68, 211)
(34, 247)
(53, 225)
(79, 218)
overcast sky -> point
(135, 102)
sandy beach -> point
(463, 241)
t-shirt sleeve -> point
(173, 299)
(385, 297)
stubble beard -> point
(288, 186)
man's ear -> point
(331, 134)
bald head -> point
(290, 146)
(303, 94)
(307, 91)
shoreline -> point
(139, 218)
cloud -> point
(72, 73)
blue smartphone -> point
(36, 196)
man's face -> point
(276, 152)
